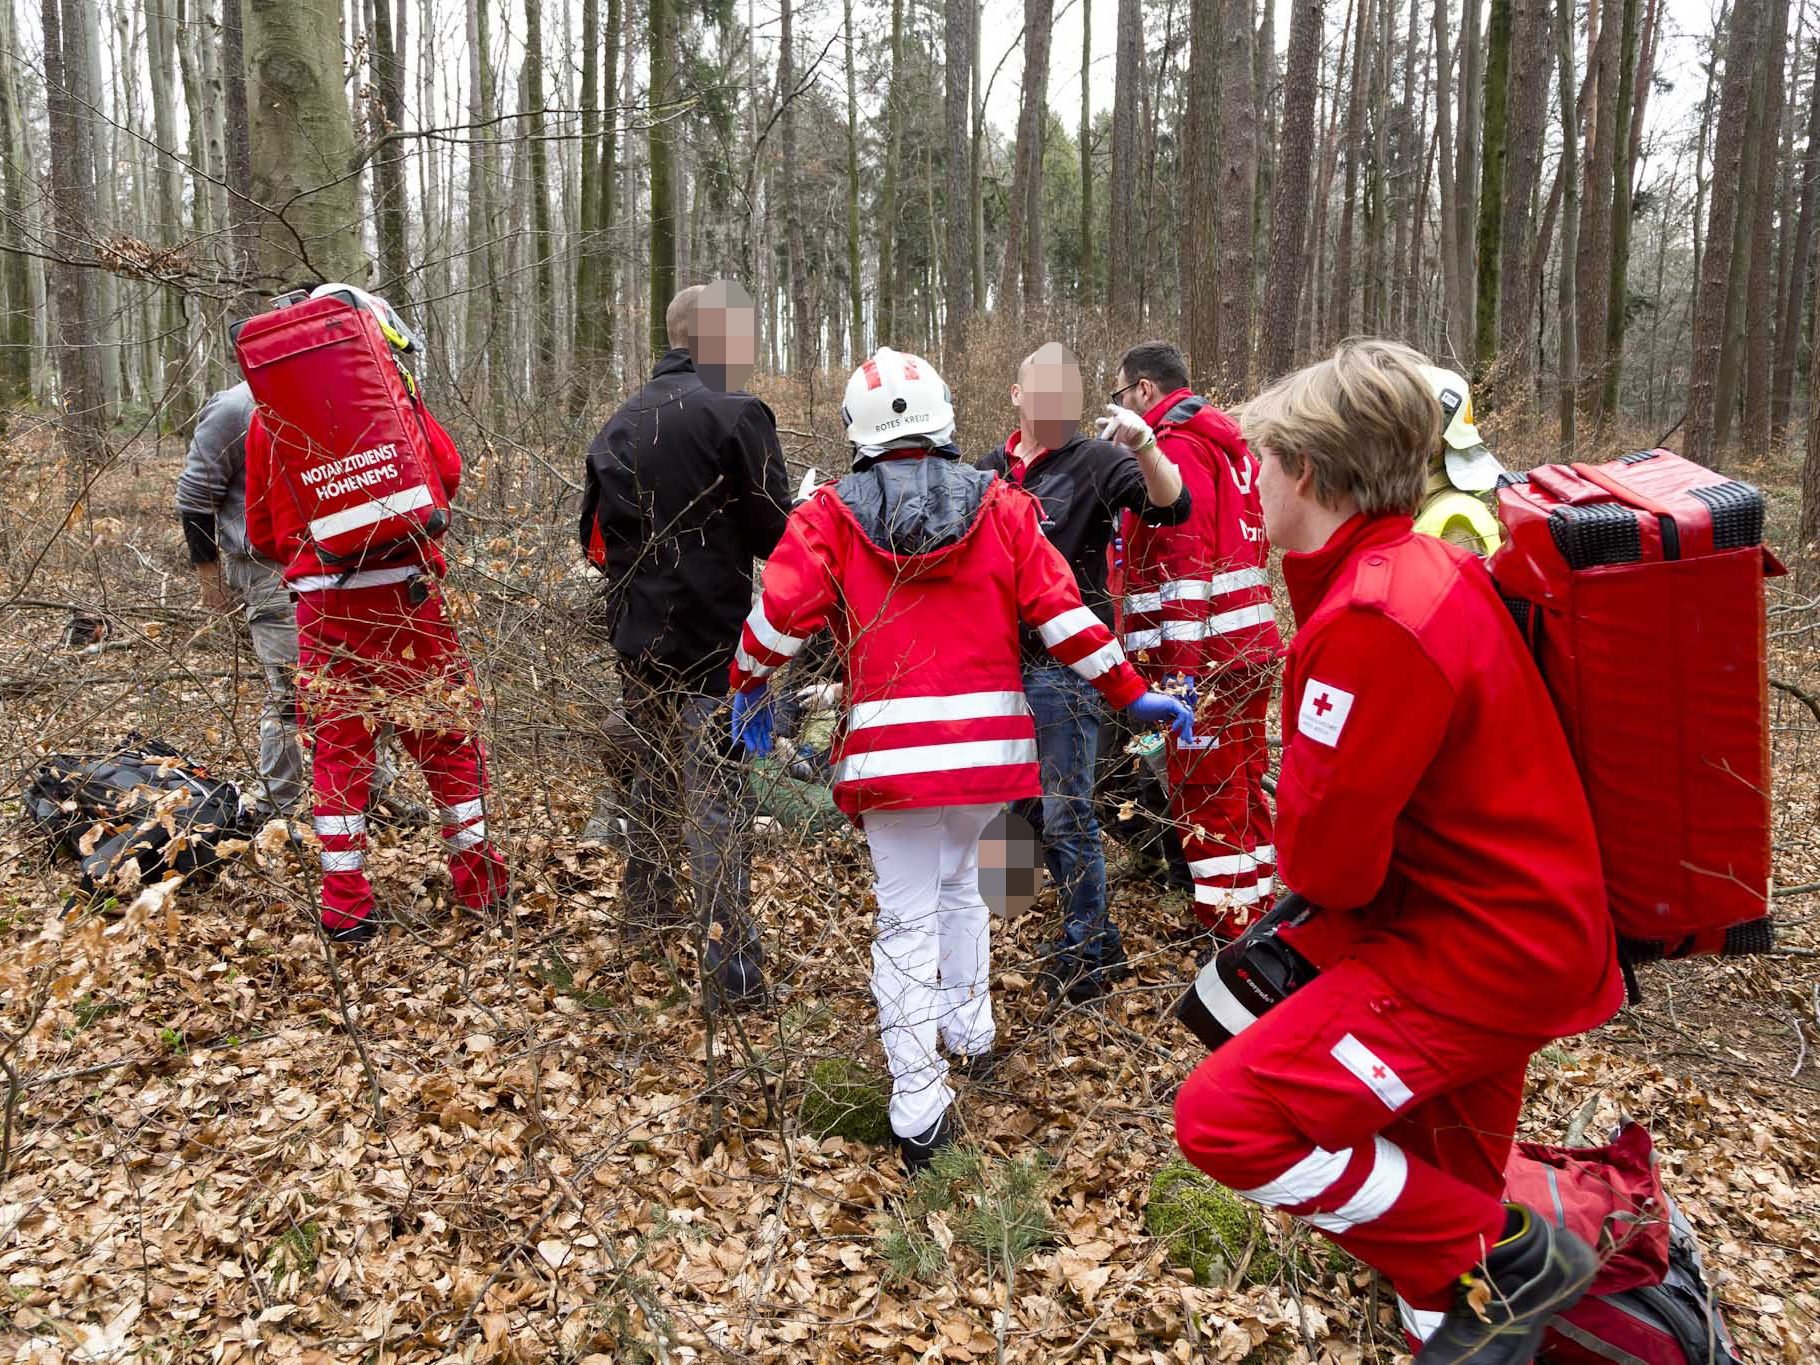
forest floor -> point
(509, 1140)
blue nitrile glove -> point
(1181, 685)
(753, 725)
(1156, 708)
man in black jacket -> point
(685, 487)
(1085, 486)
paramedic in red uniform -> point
(1196, 607)
(1462, 924)
(376, 645)
(924, 568)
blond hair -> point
(1364, 420)
(679, 317)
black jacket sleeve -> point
(1123, 489)
(764, 504)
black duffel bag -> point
(145, 801)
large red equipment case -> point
(1640, 587)
(348, 438)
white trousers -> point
(931, 953)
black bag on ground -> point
(143, 801)
(1248, 977)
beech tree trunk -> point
(957, 108)
(1028, 167)
(1716, 266)
(71, 190)
(1288, 261)
(1760, 297)
(1235, 190)
(661, 155)
(1788, 334)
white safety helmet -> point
(1471, 467)
(896, 399)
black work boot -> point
(353, 935)
(734, 965)
(1535, 1272)
(920, 1150)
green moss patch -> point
(842, 1098)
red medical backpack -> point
(1650, 1302)
(1639, 585)
(348, 437)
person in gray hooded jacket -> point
(211, 505)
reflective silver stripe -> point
(463, 812)
(1241, 619)
(1225, 866)
(1107, 656)
(1228, 895)
(1309, 1178)
(936, 758)
(343, 825)
(1382, 1188)
(1196, 589)
(1423, 1323)
(769, 635)
(1236, 580)
(397, 504)
(366, 578)
(470, 837)
(343, 860)
(1137, 640)
(1225, 1007)
(1068, 623)
(750, 666)
(915, 710)
(1265, 853)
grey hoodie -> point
(212, 487)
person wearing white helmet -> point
(923, 568)
(1461, 473)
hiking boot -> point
(355, 934)
(919, 1151)
(976, 1066)
(1535, 1272)
(734, 966)
(606, 826)
(1076, 976)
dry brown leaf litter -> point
(198, 1172)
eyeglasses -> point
(1116, 395)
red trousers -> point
(1217, 800)
(367, 656)
(1381, 1123)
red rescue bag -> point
(348, 437)
(1650, 1303)
(1639, 585)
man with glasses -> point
(1084, 486)
(1196, 608)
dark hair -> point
(1159, 362)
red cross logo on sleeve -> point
(1379, 1072)
(1322, 705)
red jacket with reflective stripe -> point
(1427, 800)
(936, 714)
(275, 525)
(1197, 596)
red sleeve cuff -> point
(1120, 686)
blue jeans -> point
(1069, 714)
